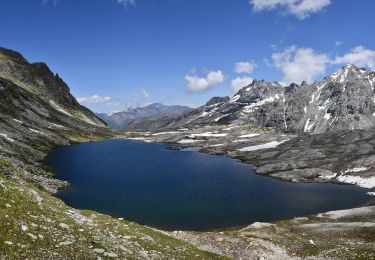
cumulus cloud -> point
(244, 67)
(299, 8)
(305, 64)
(95, 99)
(300, 64)
(239, 83)
(359, 56)
(198, 84)
(127, 3)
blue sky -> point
(120, 53)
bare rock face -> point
(339, 102)
(37, 79)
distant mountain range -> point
(344, 100)
(120, 120)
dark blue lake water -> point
(184, 190)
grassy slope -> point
(34, 224)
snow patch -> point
(188, 141)
(308, 125)
(165, 133)
(357, 180)
(327, 116)
(272, 144)
(208, 134)
(328, 177)
(356, 169)
(217, 145)
(140, 139)
(248, 135)
(317, 93)
(234, 99)
(249, 108)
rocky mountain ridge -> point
(342, 101)
(38, 79)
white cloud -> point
(299, 8)
(127, 3)
(244, 67)
(359, 56)
(197, 84)
(95, 99)
(239, 83)
(338, 43)
(300, 64)
(144, 93)
(54, 2)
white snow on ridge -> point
(220, 117)
(234, 99)
(7, 138)
(272, 144)
(314, 96)
(249, 108)
(371, 193)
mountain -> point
(344, 100)
(120, 120)
(37, 79)
(37, 112)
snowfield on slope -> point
(272, 144)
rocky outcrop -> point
(342, 101)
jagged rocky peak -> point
(38, 79)
(216, 100)
(349, 72)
